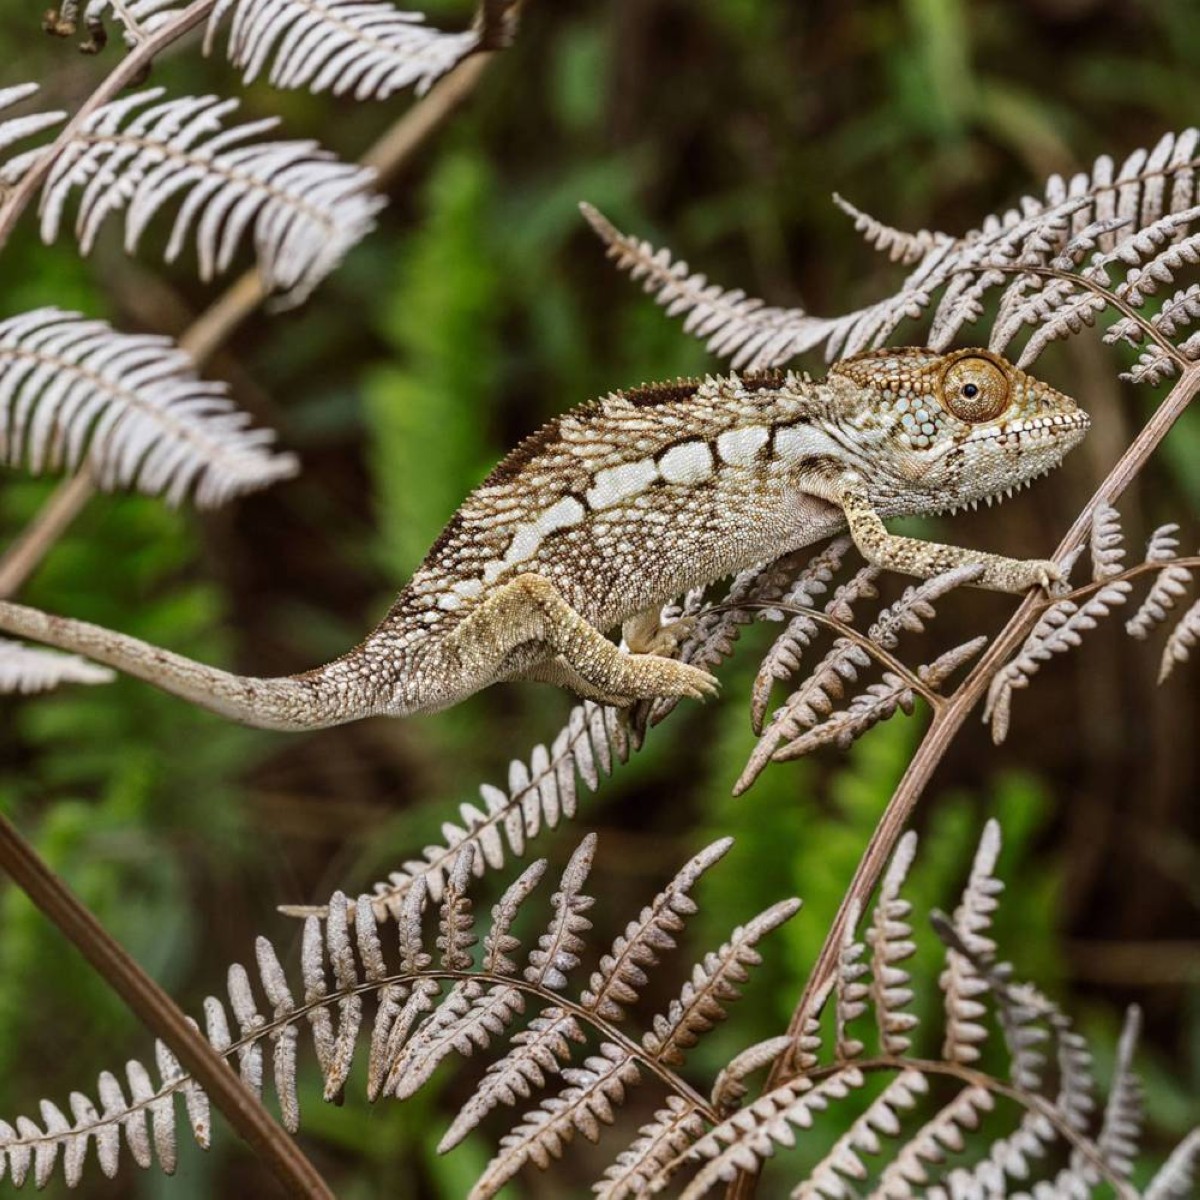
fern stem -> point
(946, 723)
(158, 1012)
(884, 657)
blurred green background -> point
(481, 307)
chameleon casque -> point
(608, 512)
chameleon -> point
(608, 512)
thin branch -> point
(945, 726)
(159, 1013)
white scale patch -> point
(615, 484)
(689, 462)
(528, 540)
(740, 447)
(796, 442)
(567, 512)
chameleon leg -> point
(531, 609)
(925, 559)
(559, 673)
(646, 634)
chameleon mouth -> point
(1024, 427)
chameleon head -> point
(951, 429)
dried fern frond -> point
(345, 961)
(890, 940)
(812, 715)
(307, 209)
(17, 129)
(1169, 584)
(367, 49)
(1062, 625)
(1027, 252)
(961, 984)
(74, 392)
(31, 669)
(1182, 641)
(890, 1146)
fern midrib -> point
(208, 449)
(295, 1015)
(212, 165)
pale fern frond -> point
(652, 1155)
(75, 393)
(1170, 584)
(622, 972)
(344, 962)
(782, 660)
(1107, 543)
(850, 993)
(1061, 628)
(843, 1161)
(367, 49)
(1153, 192)
(927, 1148)
(595, 1091)
(1182, 641)
(960, 982)
(746, 1140)
(1122, 1127)
(714, 983)
(749, 333)
(29, 669)
(890, 940)
(17, 129)
(1179, 1173)
(730, 1088)
(304, 207)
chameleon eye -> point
(975, 389)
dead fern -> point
(1063, 623)
(462, 999)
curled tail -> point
(330, 695)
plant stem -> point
(159, 1013)
(944, 727)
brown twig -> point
(21, 559)
(945, 726)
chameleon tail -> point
(314, 700)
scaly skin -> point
(613, 509)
